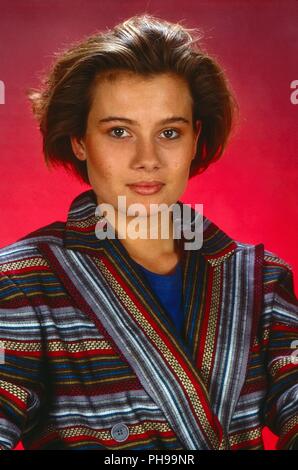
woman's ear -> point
(78, 147)
(197, 135)
(198, 127)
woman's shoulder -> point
(275, 267)
(25, 271)
(24, 252)
(269, 259)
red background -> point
(251, 192)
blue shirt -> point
(168, 288)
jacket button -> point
(120, 432)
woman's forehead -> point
(130, 92)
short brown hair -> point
(145, 45)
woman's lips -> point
(146, 189)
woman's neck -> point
(159, 254)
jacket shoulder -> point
(270, 260)
(275, 273)
(279, 285)
(276, 269)
(24, 251)
(273, 259)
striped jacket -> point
(91, 360)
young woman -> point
(149, 342)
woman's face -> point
(119, 152)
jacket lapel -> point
(195, 379)
(222, 309)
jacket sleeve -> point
(21, 385)
(281, 406)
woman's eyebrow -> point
(131, 121)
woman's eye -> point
(117, 129)
(167, 132)
(172, 130)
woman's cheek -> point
(179, 164)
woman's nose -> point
(147, 155)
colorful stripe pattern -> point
(88, 345)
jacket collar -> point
(81, 222)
